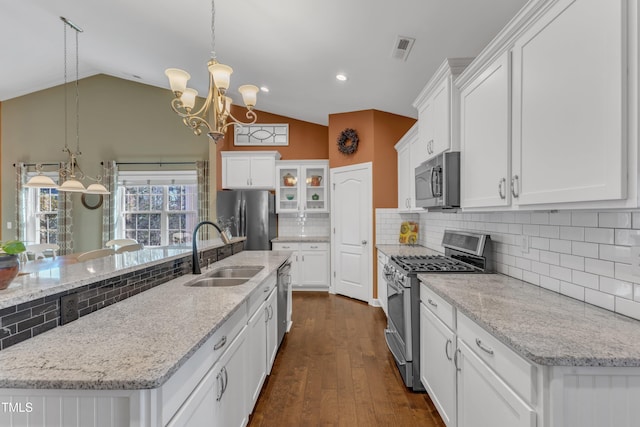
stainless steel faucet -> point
(194, 256)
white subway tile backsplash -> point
(584, 219)
(599, 235)
(616, 287)
(614, 219)
(628, 307)
(599, 267)
(572, 261)
(600, 299)
(572, 233)
(584, 249)
(585, 255)
(571, 290)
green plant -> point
(12, 247)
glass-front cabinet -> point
(302, 186)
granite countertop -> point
(544, 327)
(137, 343)
(406, 250)
(63, 278)
(302, 239)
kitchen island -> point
(523, 355)
(137, 357)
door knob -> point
(364, 243)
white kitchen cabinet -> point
(549, 110)
(309, 264)
(437, 370)
(569, 110)
(406, 168)
(485, 114)
(249, 169)
(271, 309)
(484, 399)
(256, 354)
(382, 283)
(302, 186)
(438, 111)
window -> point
(42, 214)
(157, 208)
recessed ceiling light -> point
(264, 88)
(341, 77)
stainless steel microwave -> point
(438, 182)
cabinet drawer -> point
(284, 246)
(518, 373)
(442, 309)
(382, 258)
(313, 246)
(260, 294)
(177, 388)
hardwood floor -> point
(334, 369)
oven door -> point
(398, 334)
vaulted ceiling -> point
(294, 47)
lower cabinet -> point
(219, 399)
(484, 399)
(382, 283)
(271, 306)
(256, 354)
(310, 264)
(437, 370)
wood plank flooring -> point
(334, 369)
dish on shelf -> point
(289, 196)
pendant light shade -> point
(72, 185)
(40, 181)
(97, 189)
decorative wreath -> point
(348, 135)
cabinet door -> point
(426, 122)
(484, 400)
(441, 133)
(271, 307)
(237, 172)
(382, 284)
(437, 371)
(314, 271)
(315, 189)
(288, 189)
(232, 401)
(569, 104)
(198, 409)
(262, 172)
(485, 139)
(256, 354)
(405, 195)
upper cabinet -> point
(249, 169)
(437, 107)
(549, 110)
(302, 186)
(407, 149)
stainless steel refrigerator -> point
(250, 213)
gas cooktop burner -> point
(431, 263)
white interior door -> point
(351, 220)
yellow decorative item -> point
(409, 233)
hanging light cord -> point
(65, 88)
(77, 100)
(213, 33)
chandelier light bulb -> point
(177, 79)
(249, 95)
(188, 98)
(221, 76)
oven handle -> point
(387, 335)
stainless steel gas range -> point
(464, 253)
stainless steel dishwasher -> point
(284, 282)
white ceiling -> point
(295, 47)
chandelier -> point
(71, 171)
(217, 104)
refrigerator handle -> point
(244, 218)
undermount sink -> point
(244, 271)
(219, 281)
(228, 276)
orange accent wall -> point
(306, 140)
(0, 161)
(378, 132)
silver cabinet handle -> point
(430, 301)
(302, 258)
(501, 185)
(446, 349)
(514, 183)
(266, 289)
(483, 347)
(314, 247)
(220, 383)
(455, 359)
(248, 183)
(286, 247)
(266, 314)
(220, 343)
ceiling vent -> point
(402, 47)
